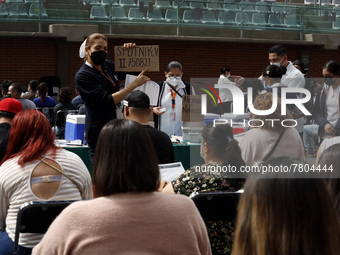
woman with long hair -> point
(286, 213)
(220, 151)
(128, 216)
(35, 169)
(326, 107)
(44, 100)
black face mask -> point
(329, 81)
(98, 57)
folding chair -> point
(48, 112)
(217, 205)
(60, 116)
(36, 217)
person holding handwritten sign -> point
(168, 116)
(98, 86)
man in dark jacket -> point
(137, 108)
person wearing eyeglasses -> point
(326, 107)
(168, 113)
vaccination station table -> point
(188, 154)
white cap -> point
(82, 52)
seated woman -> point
(283, 213)
(35, 169)
(129, 216)
(65, 106)
(218, 150)
(44, 100)
(269, 138)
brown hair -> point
(125, 159)
(42, 89)
(286, 215)
(330, 159)
(265, 102)
(91, 38)
(65, 95)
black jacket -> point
(96, 90)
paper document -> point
(171, 171)
(150, 88)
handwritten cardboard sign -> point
(137, 59)
(191, 108)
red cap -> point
(10, 105)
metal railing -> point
(244, 15)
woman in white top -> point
(224, 93)
(170, 97)
(326, 107)
(35, 169)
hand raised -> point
(129, 46)
(141, 78)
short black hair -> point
(33, 84)
(279, 50)
(300, 64)
(125, 159)
(16, 87)
(139, 111)
(274, 71)
(5, 85)
(225, 69)
(7, 115)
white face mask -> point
(174, 80)
(277, 63)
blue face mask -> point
(228, 75)
(267, 87)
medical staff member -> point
(170, 99)
(98, 86)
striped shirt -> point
(15, 189)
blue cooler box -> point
(75, 127)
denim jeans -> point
(7, 246)
(309, 133)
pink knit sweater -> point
(145, 223)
